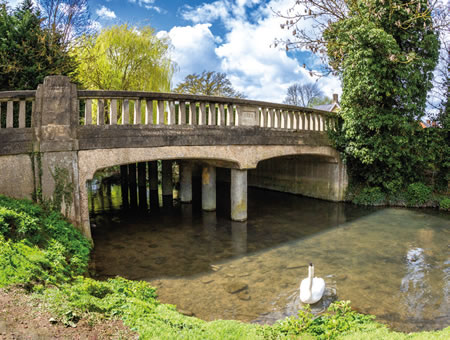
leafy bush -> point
(418, 194)
(340, 319)
(37, 246)
(444, 204)
(368, 196)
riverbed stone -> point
(235, 287)
(206, 281)
(244, 295)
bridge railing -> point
(16, 108)
(153, 108)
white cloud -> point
(105, 13)
(245, 53)
(193, 49)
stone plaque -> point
(248, 116)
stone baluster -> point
(222, 118)
(171, 113)
(212, 114)
(160, 112)
(149, 112)
(9, 114)
(137, 112)
(182, 113)
(88, 112)
(230, 115)
(202, 114)
(113, 112)
(100, 112)
(125, 112)
(192, 113)
(22, 105)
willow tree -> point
(124, 58)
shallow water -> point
(393, 263)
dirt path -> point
(22, 318)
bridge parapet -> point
(152, 108)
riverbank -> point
(45, 255)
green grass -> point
(42, 252)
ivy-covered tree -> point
(28, 52)
(209, 84)
(385, 53)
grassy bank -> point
(43, 253)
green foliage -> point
(28, 52)
(418, 194)
(444, 204)
(339, 320)
(208, 84)
(124, 58)
(368, 196)
(385, 53)
(38, 246)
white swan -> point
(311, 288)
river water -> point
(392, 263)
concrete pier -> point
(133, 186)
(167, 187)
(209, 188)
(153, 178)
(142, 184)
(124, 185)
(238, 195)
(186, 182)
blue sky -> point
(231, 36)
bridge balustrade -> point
(15, 108)
(150, 108)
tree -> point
(209, 84)
(28, 52)
(304, 95)
(124, 58)
(68, 18)
(384, 53)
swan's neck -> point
(310, 276)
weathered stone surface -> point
(235, 287)
(16, 176)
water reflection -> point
(393, 263)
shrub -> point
(417, 194)
(444, 204)
(369, 196)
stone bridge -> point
(54, 139)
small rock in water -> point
(244, 295)
(244, 274)
(215, 267)
(153, 246)
(235, 287)
(206, 281)
(230, 275)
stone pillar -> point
(167, 188)
(238, 195)
(133, 186)
(124, 185)
(55, 147)
(209, 188)
(153, 177)
(142, 184)
(185, 182)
